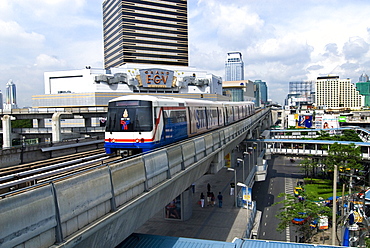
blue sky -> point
(281, 40)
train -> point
(140, 123)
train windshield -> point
(129, 116)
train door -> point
(220, 116)
(159, 125)
(192, 129)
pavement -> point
(210, 222)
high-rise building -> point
(234, 67)
(364, 89)
(263, 90)
(145, 32)
(363, 78)
(11, 95)
(332, 92)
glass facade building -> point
(364, 89)
(263, 90)
(145, 32)
(234, 67)
(11, 95)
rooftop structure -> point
(95, 87)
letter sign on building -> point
(156, 78)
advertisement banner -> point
(329, 121)
(245, 195)
(249, 196)
(305, 121)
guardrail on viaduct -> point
(104, 206)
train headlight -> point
(137, 140)
(142, 140)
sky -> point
(280, 40)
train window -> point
(127, 103)
(129, 117)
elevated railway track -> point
(16, 179)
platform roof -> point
(137, 240)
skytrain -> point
(140, 123)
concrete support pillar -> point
(88, 122)
(217, 163)
(187, 199)
(40, 123)
(7, 130)
(56, 126)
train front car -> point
(129, 126)
(137, 124)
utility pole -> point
(334, 220)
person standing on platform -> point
(219, 197)
(232, 188)
(202, 200)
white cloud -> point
(14, 37)
(355, 48)
(280, 40)
(45, 61)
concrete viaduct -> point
(101, 207)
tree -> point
(309, 166)
(305, 209)
(347, 157)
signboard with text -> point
(156, 78)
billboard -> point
(326, 122)
(305, 121)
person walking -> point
(202, 200)
(208, 198)
(219, 197)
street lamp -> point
(255, 144)
(231, 169)
(249, 158)
(242, 160)
(251, 152)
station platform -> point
(210, 222)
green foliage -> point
(320, 189)
(292, 208)
(344, 156)
(367, 242)
(22, 123)
(347, 135)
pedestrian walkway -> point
(210, 222)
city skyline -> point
(281, 41)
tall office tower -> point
(145, 32)
(332, 92)
(263, 90)
(11, 95)
(234, 67)
(363, 78)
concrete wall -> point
(104, 206)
